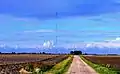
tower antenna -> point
(56, 29)
(56, 42)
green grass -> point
(99, 68)
(61, 67)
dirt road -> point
(78, 66)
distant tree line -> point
(32, 53)
(76, 52)
(24, 53)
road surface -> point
(78, 66)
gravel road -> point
(78, 66)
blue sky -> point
(31, 23)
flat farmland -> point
(22, 58)
(110, 61)
(13, 63)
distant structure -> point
(56, 28)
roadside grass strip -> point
(99, 68)
(61, 67)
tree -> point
(13, 53)
(71, 52)
(43, 53)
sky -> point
(32, 23)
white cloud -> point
(37, 31)
(22, 19)
(103, 44)
(88, 45)
(118, 39)
(3, 45)
(114, 40)
(48, 44)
